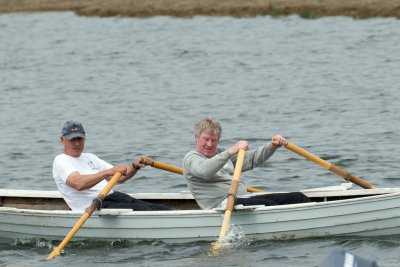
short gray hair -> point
(208, 124)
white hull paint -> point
(374, 212)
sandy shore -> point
(189, 8)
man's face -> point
(73, 147)
(206, 144)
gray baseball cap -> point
(72, 129)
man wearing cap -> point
(81, 176)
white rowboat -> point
(26, 214)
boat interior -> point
(52, 200)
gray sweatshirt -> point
(209, 179)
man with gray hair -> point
(208, 169)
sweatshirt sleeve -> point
(257, 157)
(198, 165)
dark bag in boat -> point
(338, 257)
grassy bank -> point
(189, 8)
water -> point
(330, 85)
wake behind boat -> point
(334, 211)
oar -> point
(167, 167)
(178, 170)
(95, 204)
(329, 166)
(230, 200)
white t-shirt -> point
(87, 163)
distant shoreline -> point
(188, 8)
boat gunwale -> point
(28, 193)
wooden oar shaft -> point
(56, 251)
(253, 190)
(351, 177)
(178, 170)
(308, 155)
(232, 193)
(167, 167)
(230, 203)
(329, 166)
(95, 204)
(228, 211)
(224, 228)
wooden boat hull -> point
(364, 212)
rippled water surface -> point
(330, 85)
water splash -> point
(234, 239)
(120, 243)
(33, 243)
